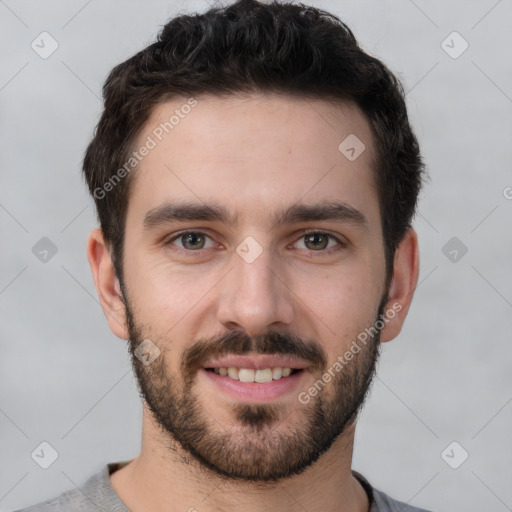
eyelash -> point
(190, 253)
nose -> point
(255, 296)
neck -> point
(166, 478)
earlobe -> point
(403, 284)
(107, 283)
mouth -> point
(251, 375)
(255, 378)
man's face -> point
(249, 292)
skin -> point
(287, 154)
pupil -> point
(192, 239)
(314, 240)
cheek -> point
(350, 288)
(166, 295)
(343, 305)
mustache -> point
(240, 343)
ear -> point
(107, 284)
(403, 284)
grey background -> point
(65, 379)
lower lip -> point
(255, 391)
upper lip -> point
(257, 362)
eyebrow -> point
(185, 211)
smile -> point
(250, 375)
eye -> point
(192, 241)
(318, 241)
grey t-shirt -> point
(98, 495)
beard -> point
(256, 449)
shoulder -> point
(96, 494)
(381, 502)
(67, 501)
(384, 503)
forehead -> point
(256, 155)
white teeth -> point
(263, 375)
(245, 375)
(277, 373)
(250, 375)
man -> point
(255, 177)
